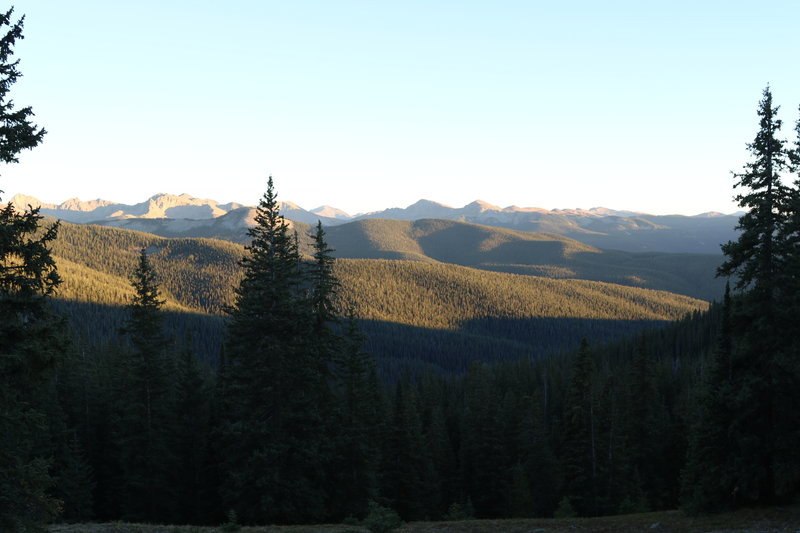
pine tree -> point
(752, 257)
(274, 449)
(761, 358)
(326, 347)
(17, 132)
(29, 335)
(324, 285)
(146, 405)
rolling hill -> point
(502, 250)
(412, 311)
(539, 254)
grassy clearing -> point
(773, 519)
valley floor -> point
(773, 519)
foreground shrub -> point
(381, 519)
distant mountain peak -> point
(416, 211)
(76, 204)
(288, 205)
(23, 201)
(427, 203)
(480, 206)
(331, 212)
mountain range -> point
(186, 216)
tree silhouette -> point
(29, 334)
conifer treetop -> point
(17, 131)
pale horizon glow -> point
(365, 106)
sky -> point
(365, 105)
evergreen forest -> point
(198, 381)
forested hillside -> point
(539, 254)
(196, 274)
(489, 248)
(413, 312)
(449, 316)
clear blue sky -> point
(365, 105)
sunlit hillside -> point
(539, 254)
(420, 309)
(199, 275)
(445, 296)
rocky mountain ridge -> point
(184, 215)
(164, 205)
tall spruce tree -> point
(29, 335)
(146, 405)
(17, 132)
(759, 360)
(752, 258)
(274, 446)
(346, 487)
(324, 285)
